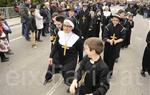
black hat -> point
(85, 4)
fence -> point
(9, 12)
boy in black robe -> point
(105, 18)
(130, 25)
(146, 57)
(93, 72)
(113, 37)
(55, 27)
(124, 23)
(95, 25)
(84, 19)
(71, 14)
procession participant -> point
(91, 76)
(64, 54)
(146, 57)
(84, 19)
(71, 14)
(105, 18)
(113, 37)
(130, 25)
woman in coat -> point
(39, 23)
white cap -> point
(70, 22)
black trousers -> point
(2, 55)
(54, 69)
(45, 29)
(146, 60)
(39, 34)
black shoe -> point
(116, 61)
(68, 90)
(125, 46)
(5, 59)
(47, 81)
(9, 53)
(27, 39)
(143, 74)
(39, 40)
(148, 72)
(44, 35)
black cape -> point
(146, 56)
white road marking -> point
(53, 89)
(16, 39)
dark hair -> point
(33, 6)
(32, 10)
(94, 44)
(60, 19)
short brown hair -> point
(94, 44)
(121, 11)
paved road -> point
(24, 73)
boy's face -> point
(122, 15)
(130, 17)
(85, 8)
(88, 51)
(58, 24)
(71, 13)
(54, 18)
(115, 20)
(33, 13)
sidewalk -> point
(13, 21)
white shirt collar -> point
(68, 39)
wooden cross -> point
(83, 18)
(65, 48)
(54, 38)
(113, 37)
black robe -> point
(53, 33)
(105, 21)
(64, 64)
(84, 19)
(111, 51)
(76, 29)
(146, 56)
(126, 25)
(95, 81)
(95, 27)
(128, 33)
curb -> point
(14, 24)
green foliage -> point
(8, 3)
